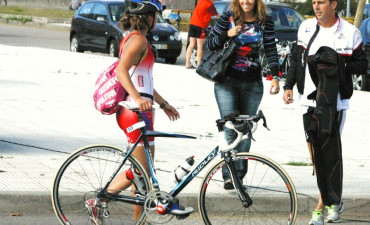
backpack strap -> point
(123, 41)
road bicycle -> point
(284, 50)
(266, 195)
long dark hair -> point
(259, 12)
(136, 22)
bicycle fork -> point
(238, 184)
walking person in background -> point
(326, 29)
(198, 23)
(75, 4)
(137, 59)
(243, 91)
(5, 2)
(164, 4)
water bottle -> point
(184, 169)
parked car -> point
(362, 81)
(95, 27)
(286, 19)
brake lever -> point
(259, 116)
(264, 121)
(250, 134)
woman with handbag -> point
(252, 30)
(134, 71)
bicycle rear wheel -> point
(269, 186)
(83, 175)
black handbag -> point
(215, 63)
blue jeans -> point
(244, 97)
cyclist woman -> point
(244, 90)
(137, 61)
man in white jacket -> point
(326, 29)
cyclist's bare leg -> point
(121, 182)
(320, 204)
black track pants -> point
(327, 158)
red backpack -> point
(108, 90)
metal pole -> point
(348, 8)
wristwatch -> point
(163, 104)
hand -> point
(288, 96)
(234, 31)
(171, 112)
(274, 88)
(144, 104)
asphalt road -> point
(20, 35)
(50, 219)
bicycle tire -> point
(83, 174)
(269, 186)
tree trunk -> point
(359, 13)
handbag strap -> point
(232, 22)
(138, 63)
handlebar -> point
(240, 124)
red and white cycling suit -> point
(142, 78)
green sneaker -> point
(317, 218)
(333, 213)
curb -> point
(40, 202)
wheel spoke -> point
(266, 183)
(83, 175)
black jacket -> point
(354, 64)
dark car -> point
(95, 27)
(362, 81)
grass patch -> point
(293, 163)
(49, 13)
(19, 19)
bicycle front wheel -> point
(269, 186)
(83, 175)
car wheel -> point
(360, 82)
(75, 44)
(170, 60)
(193, 59)
(113, 50)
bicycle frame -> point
(139, 200)
(176, 190)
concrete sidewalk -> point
(47, 112)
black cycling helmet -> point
(143, 6)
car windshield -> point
(220, 7)
(117, 11)
(285, 18)
(160, 18)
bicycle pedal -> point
(181, 211)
